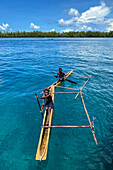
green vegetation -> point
(56, 34)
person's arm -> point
(43, 97)
(57, 75)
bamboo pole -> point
(79, 75)
(77, 95)
(67, 126)
(85, 83)
(63, 92)
(67, 88)
(82, 87)
(89, 119)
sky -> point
(56, 15)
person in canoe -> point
(60, 75)
(49, 103)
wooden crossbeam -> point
(63, 92)
(67, 88)
(79, 75)
(67, 126)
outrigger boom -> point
(67, 126)
(45, 130)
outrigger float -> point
(42, 149)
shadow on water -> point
(109, 166)
(42, 165)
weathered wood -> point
(89, 119)
(77, 95)
(67, 88)
(45, 132)
(63, 92)
(68, 126)
(79, 75)
(85, 83)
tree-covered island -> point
(55, 34)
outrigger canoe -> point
(45, 132)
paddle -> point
(71, 81)
(39, 104)
(68, 80)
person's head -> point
(46, 91)
(60, 69)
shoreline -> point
(53, 37)
(50, 35)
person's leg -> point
(58, 80)
(46, 109)
(49, 113)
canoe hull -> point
(45, 132)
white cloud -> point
(53, 30)
(33, 26)
(67, 30)
(110, 27)
(94, 15)
(109, 24)
(73, 12)
(86, 28)
(5, 27)
(70, 22)
(61, 21)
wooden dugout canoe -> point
(45, 132)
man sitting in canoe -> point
(60, 75)
(49, 103)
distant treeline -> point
(56, 34)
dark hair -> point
(46, 89)
(60, 69)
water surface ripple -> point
(27, 66)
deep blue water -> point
(27, 66)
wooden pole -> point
(82, 86)
(63, 92)
(67, 126)
(85, 83)
(79, 75)
(77, 95)
(89, 119)
(67, 88)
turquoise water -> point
(27, 66)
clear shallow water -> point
(27, 66)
